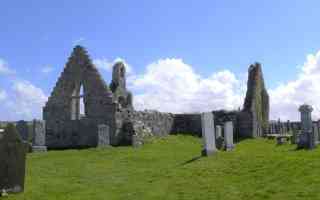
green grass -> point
(256, 169)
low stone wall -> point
(187, 124)
(160, 124)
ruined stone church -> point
(65, 127)
(111, 105)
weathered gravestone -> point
(39, 136)
(306, 138)
(103, 135)
(218, 131)
(228, 135)
(136, 141)
(208, 136)
(315, 133)
(12, 160)
(23, 129)
(220, 144)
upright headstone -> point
(218, 131)
(12, 160)
(136, 141)
(39, 136)
(208, 136)
(315, 133)
(103, 135)
(228, 135)
(23, 129)
(306, 138)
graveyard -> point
(116, 152)
(159, 100)
(172, 168)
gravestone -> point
(39, 136)
(228, 135)
(294, 137)
(12, 160)
(208, 136)
(23, 130)
(306, 138)
(315, 133)
(136, 141)
(281, 140)
(218, 131)
(103, 135)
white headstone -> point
(103, 135)
(228, 135)
(208, 136)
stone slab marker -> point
(218, 131)
(208, 136)
(136, 141)
(307, 137)
(315, 133)
(103, 135)
(228, 135)
(12, 160)
(39, 136)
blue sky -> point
(37, 37)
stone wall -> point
(159, 123)
(62, 110)
(187, 124)
(254, 118)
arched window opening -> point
(77, 103)
(82, 106)
(122, 72)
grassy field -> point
(170, 168)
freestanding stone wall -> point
(253, 120)
(62, 111)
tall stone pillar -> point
(307, 137)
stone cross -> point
(228, 135)
(306, 138)
(103, 135)
(39, 136)
(208, 136)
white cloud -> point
(47, 69)
(27, 100)
(78, 41)
(4, 68)
(286, 98)
(170, 85)
(105, 64)
(3, 95)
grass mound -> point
(170, 168)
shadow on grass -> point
(191, 160)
